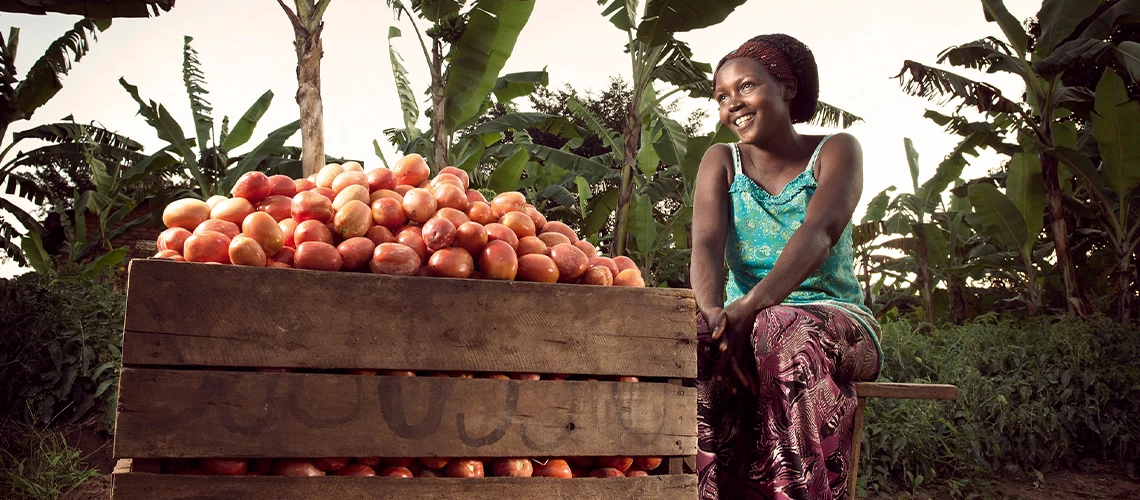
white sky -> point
(245, 48)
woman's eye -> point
(746, 85)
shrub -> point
(60, 349)
(1034, 394)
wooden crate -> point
(194, 333)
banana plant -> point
(1058, 51)
(211, 166)
(19, 99)
(1112, 189)
(468, 50)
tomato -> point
(629, 277)
(620, 463)
(519, 222)
(353, 219)
(277, 206)
(245, 251)
(465, 467)
(552, 238)
(636, 473)
(459, 173)
(380, 178)
(360, 470)
(394, 258)
(572, 263)
(536, 216)
(317, 255)
(560, 228)
(380, 234)
(447, 195)
(207, 246)
(263, 229)
(473, 196)
(172, 239)
(438, 233)
(225, 227)
(512, 467)
(531, 244)
(330, 464)
(480, 211)
(498, 261)
(224, 466)
(598, 275)
(587, 248)
(327, 175)
(496, 231)
(456, 217)
(296, 467)
(434, 463)
(282, 185)
(535, 267)
(606, 472)
(303, 185)
(606, 262)
(471, 236)
(232, 210)
(419, 205)
(356, 253)
(510, 201)
(350, 178)
(389, 212)
(253, 186)
(310, 205)
(647, 463)
(554, 467)
(623, 263)
(452, 262)
(354, 192)
(312, 230)
(411, 170)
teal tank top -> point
(760, 226)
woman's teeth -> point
(743, 119)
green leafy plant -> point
(61, 351)
(38, 464)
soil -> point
(1101, 482)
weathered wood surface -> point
(199, 413)
(905, 391)
(175, 487)
(209, 315)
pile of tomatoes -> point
(387, 221)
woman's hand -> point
(733, 328)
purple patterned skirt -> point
(793, 441)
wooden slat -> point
(188, 413)
(905, 391)
(211, 315)
(175, 487)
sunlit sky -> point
(246, 47)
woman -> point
(789, 334)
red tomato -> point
(224, 466)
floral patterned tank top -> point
(760, 226)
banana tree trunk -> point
(632, 137)
(1059, 225)
(309, 52)
(438, 109)
(1124, 288)
(925, 279)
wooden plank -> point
(176, 487)
(209, 315)
(187, 413)
(856, 445)
(905, 391)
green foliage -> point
(37, 464)
(60, 353)
(1033, 394)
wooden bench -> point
(864, 390)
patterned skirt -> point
(793, 440)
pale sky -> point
(245, 48)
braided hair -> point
(785, 58)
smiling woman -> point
(779, 357)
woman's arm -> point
(710, 231)
(828, 213)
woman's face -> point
(752, 102)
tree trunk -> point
(1059, 225)
(925, 279)
(438, 109)
(309, 53)
(632, 137)
(1124, 288)
(1034, 303)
